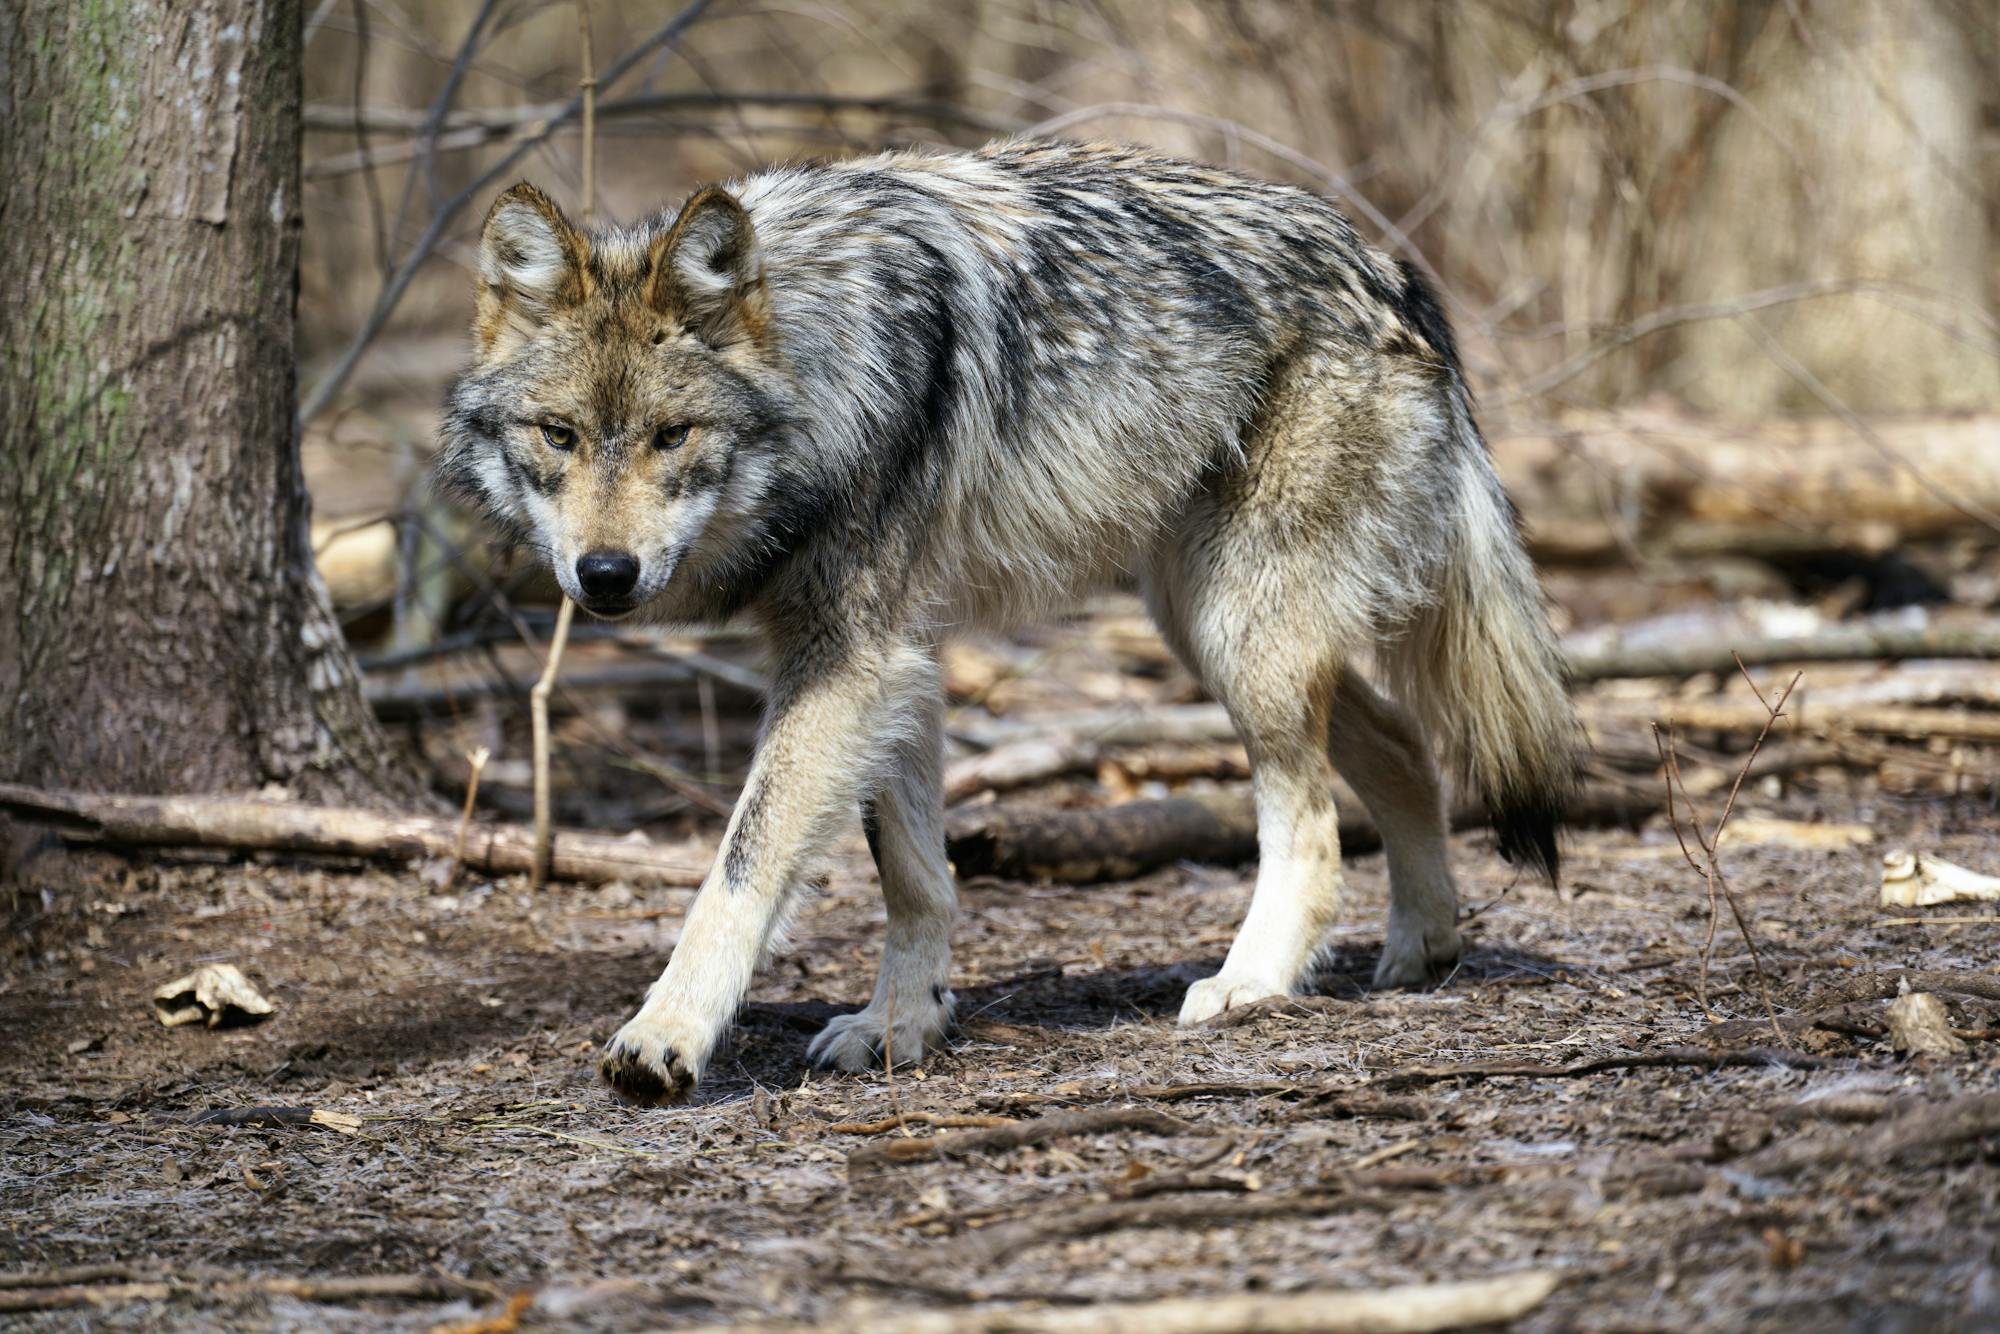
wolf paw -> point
(1412, 957)
(1212, 995)
(644, 1065)
(855, 1042)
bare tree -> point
(161, 625)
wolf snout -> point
(607, 578)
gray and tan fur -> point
(873, 402)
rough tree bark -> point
(161, 626)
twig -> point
(1016, 1135)
(477, 759)
(538, 705)
(587, 86)
(940, 1119)
(1238, 1015)
(494, 121)
(1698, 1057)
(1709, 866)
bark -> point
(161, 624)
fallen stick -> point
(1878, 720)
(250, 825)
(901, 1119)
(1416, 1308)
(1067, 1221)
(68, 1276)
(1016, 1135)
(1037, 759)
(361, 1288)
(1839, 643)
(1014, 764)
(1698, 1057)
(1883, 985)
(1924, 1125)
(1238, 1015)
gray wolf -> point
(866, 403)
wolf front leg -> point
(911, 1009)
(818, 747)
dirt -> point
(460, 1024)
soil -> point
(459, 1023)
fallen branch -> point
(1878, 720)
(1015, 1135)
(1066, 1221)
(1884, 985)
(1017, 764)
(1839, 643)
(67, 1276)
(1078, 846)
(366, 1287)
(1413, 1309)
(250, 825)
(1698, 1057)
(937, 1119)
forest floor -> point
(1318, 1147)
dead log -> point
(1119, 842)
(1794, 482)
(1066, 846)
(252, 825)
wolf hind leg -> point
(1381, 752)
(1230, 612)
(912, 1006)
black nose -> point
(607, 576)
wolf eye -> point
(670, 437)
(559, 437)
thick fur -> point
(930, 391)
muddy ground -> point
(460, 1023)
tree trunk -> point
(161, 625)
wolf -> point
(865, 404)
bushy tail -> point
(1482, 668)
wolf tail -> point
(1481, 666)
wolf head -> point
(621, 411)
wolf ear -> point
(706, 272)
(530, 262)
